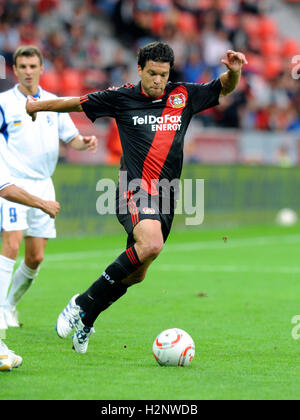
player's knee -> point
(152, 249)
(34, 260)
(11, 249)
(11, 244)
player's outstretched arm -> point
(81, 142)
(56, 105)
(234, 61)
(18, 195)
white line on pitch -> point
(227, 269)
(184, 268)
(182, 247)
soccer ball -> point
(287, 217)
(173, 347)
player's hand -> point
(91, 143)
(234, 60)
(29, 107)
(52, 208)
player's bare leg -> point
(34, 251)
(149, 243)
(11, 242)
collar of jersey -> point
(22, 95)
(148, 97)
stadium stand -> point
(91, 45)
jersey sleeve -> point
(204, 95)
(66, 128)
(99, 104)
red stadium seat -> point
(71, 82)
(158, 23)
(271, 48)
(255, 63)
(290, 48)
(50, 81)
(272, 68)
(251, 26)
(186, 23)
(268, 28)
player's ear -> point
(140, 70)
(42, 70)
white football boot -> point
(8, 358)
(11, 316)
(69, 318)
(81, 337)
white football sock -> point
(3, 347)
(6, 270)
(22, 280)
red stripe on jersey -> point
(84, 99)
(161, 144)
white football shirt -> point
(5, 179)
(30, 148)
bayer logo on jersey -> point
(178, 100)
(148, 210)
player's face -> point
(154, 77)
(28, 71)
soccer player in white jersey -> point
(8, 359)
(30, 151)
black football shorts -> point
(134, 206)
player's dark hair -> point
(156, 51)
(27, 51)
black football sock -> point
(108, 288)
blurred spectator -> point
(194, 66)
(214, 45)
(117, 71)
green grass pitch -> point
(236, 299)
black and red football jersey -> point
(152, 130)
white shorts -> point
(34, 222)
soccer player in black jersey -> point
(152, 119)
